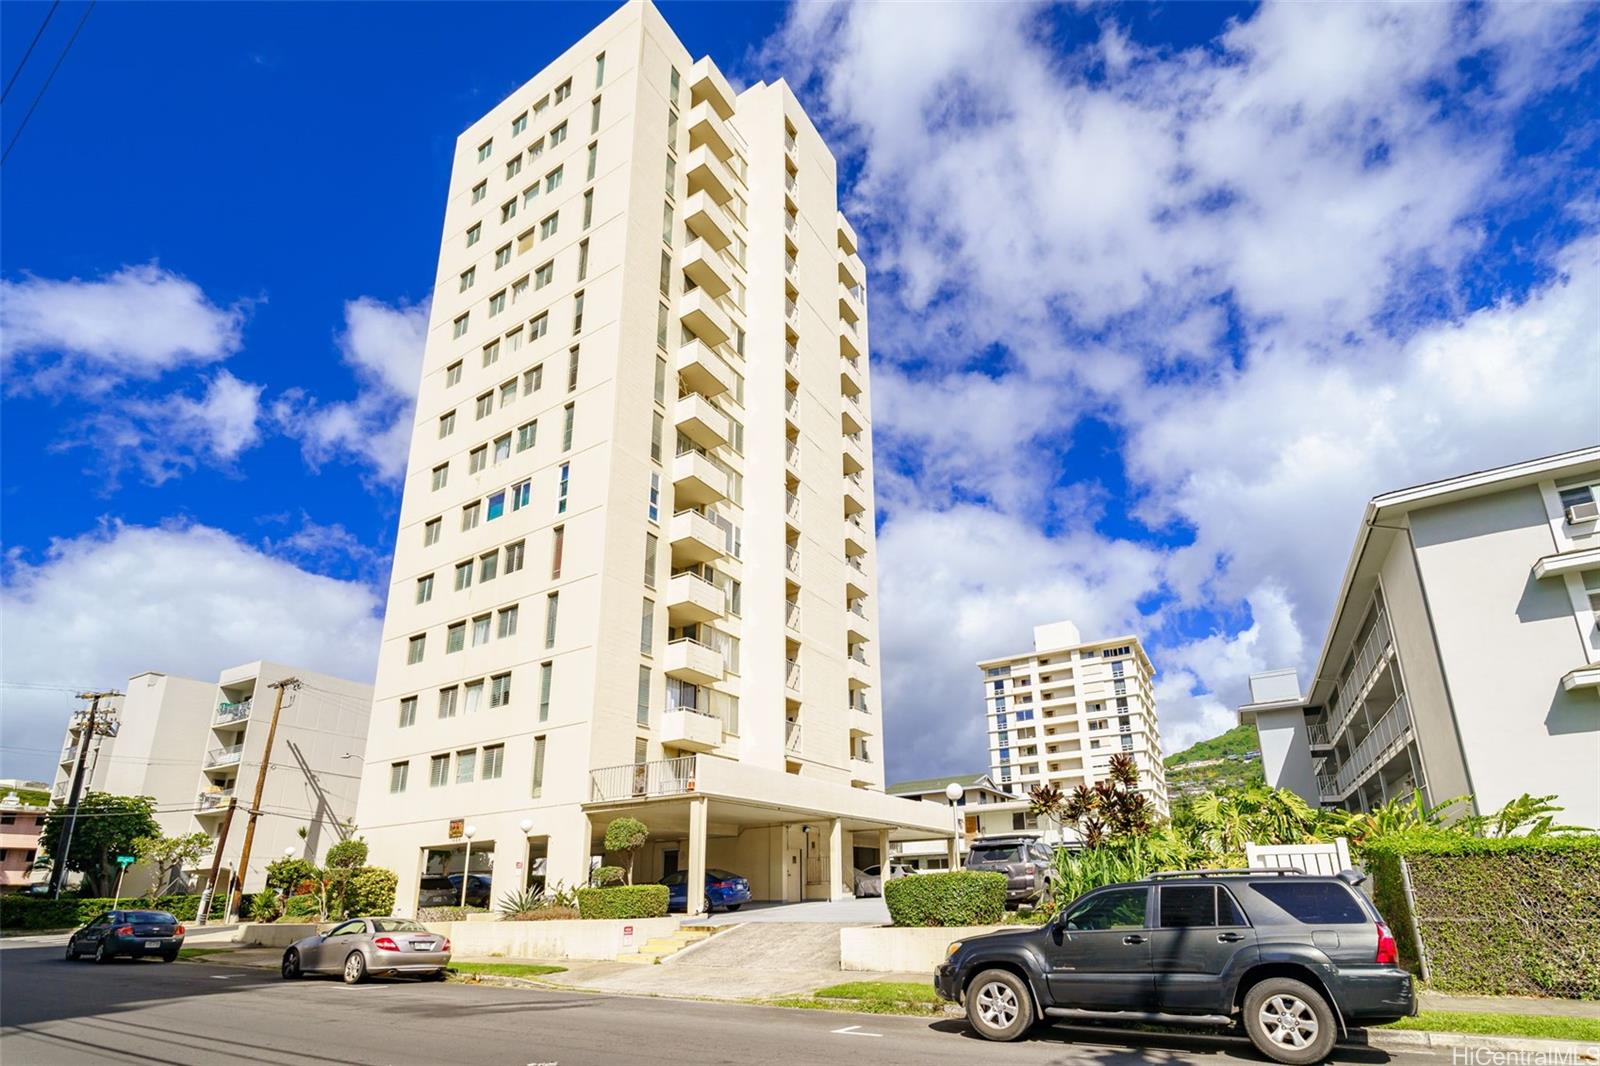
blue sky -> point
(1161, 294)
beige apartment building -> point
(1057, 715)
(193, 745)
(983, 809)
(1464, 651)
(635, 569)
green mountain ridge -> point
(1223, 763)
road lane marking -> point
(853, 1030)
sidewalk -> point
(1564, 1008)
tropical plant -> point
(1408, 815)
(1527, 816)
(106, 827)
(287, 875)
(265, 906)
(171, 856)
(627, 836)
(1114, 807)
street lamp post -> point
(466, 867)
(953, 792)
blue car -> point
(723, 889)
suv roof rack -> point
(1279, 871)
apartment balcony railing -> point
(58, 794)
(858, 610)
(791, 559)
(1353, 681)
(1391, 727)
(694, 662)
(1326, 784)
(789, 265)
(1317, 732)
(211, 801)
(789, 181)
(853, 325)
(791, 356)
(790, 307)
(645, 780)
(232, 712)
(854, 398)
(791, 454)
(854, 563)
(789, 223)
(791, 674)
(861, 755)
(791, 506)
(791, 736)
(791, 403)
(788, 142)
(69, 753)
(225, 756)
(791, 614)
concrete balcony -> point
(708, 219)
(855, 539)
(855, 494)
(694, 538)
(691, 598)
(703, 370)
(689, 660)
(691, 730)
(228, 713)
(850, 373)
(850, 344)
(791, 736)
(847, 235)
(857, 672)
(791, 456)
(855, 447)
(851, 271)
(697, 481)
(708, 268)
(212, 802)
(225, 756)
(862, 722)
(791, 675)
(791, 616)
(700, 422)
(791, 560)
(707, 173)
(791, 508)
(705, 319)
(707, 85)
(851, 419)
(850, 306)
(708, 130)
(791, 406)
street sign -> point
(126, 861)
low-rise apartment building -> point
(20, 826)
(193, 745)
(984, 809)
(1057, 714)
(635, 566)
(1463, 656)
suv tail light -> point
(385, 943)
(1388, 950)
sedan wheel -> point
(1289, 1021)
(291, 965)
(100, 953)
(355, 968)
(72, 951)
(999, 1005)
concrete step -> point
(657, 948)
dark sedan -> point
(131, 933)
(723, 889)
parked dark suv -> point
(1296, 959)
(1029, 866)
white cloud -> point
(139, 322)
(1250, 259)
(383, 346)
(165, 437)
(182, 599)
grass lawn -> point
(869, 997)
(1550, 1027)
(506, 969)
(195, 953)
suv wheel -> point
(999, 1005)
(1289, 1021)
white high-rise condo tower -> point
(635, 566)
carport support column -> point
(883, 856)
(955, 852)
(696, 903)
(836, 859)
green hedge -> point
(1498, 915)
(956, 897)
(18, 912)
(623, 901)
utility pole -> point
(204, 911)
(255, 804)
(91, 725)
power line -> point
(52, 77)
(18, 72)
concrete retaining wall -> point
(576, 939)
(275, 934)
(888, 949)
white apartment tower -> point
(1057, 715)
(634, 570)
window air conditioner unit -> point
(1583, 512)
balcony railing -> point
(1353, 680)
(858, 610)
(789, 264)
(788, 142)
(791, 506)
(645, 780)
(789, 181)
(861, 755)
(791, 614)
(789, 223)
(224, 756)
(791, 403)
(791, 674)
(208, 801)
(1317, 731)
(791, 736)
(791, 453)
(791, 559)
(854, 563)
(1391, 726)
(790, 307)
(791, 356)
(232, 712)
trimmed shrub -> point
(955, 897)
(606, 875)
(1498, 915)
(302, 908)
(291, 876)
(370, 892)
(25, 912)
(623, 901)
(544, 914)
(448, 914)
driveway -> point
(869, 911)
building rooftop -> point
(937, 784)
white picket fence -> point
(1312, 858)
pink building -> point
(19, 845)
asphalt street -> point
(53, 1011)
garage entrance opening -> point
(444, 874)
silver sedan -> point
(362, 947)
(869, 882)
